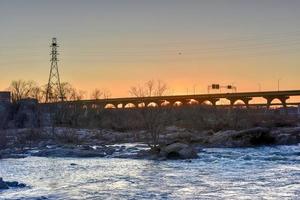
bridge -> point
(242, 98)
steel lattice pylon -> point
(54, 91)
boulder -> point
(178, 151)
(175, 147)
(188, 153)
(244, 138)
(255, 136)
(13, 184)
(222, 139)
(201, 137)
(182, 136)
(73, 164)
(3, 185)
(286, 136)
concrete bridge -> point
(235, 99)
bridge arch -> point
(280, 99)
(129, 105)
(258, 100)
(277, 101)
(177, 103)
(141, 105)
(152, 104)
(192, 102)
(109, 106)
(243, 102)
(239, 102)
(223, 101)
(207, 102)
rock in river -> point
(7, 184)
(3, 185)
(63, 152)
(178, 151)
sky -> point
(188, 44)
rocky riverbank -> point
(174, 142)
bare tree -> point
(154, 119)
(37, 93)
(150, 88)
(80, 94)
(70, 93)
(106, 93)
(22, 89)
(96, 94)
(137, 91)
(161, 88)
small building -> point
(5, 96)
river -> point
(219, 173)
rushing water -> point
(247, 173)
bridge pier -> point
(185, 102)
(213, 101)
(171, 103)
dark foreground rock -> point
(4, 185)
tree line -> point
(21, 89)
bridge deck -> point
(205, 96)
(213, 98)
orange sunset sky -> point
(187, 44)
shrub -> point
(154, 120)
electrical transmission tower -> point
(54, 91)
